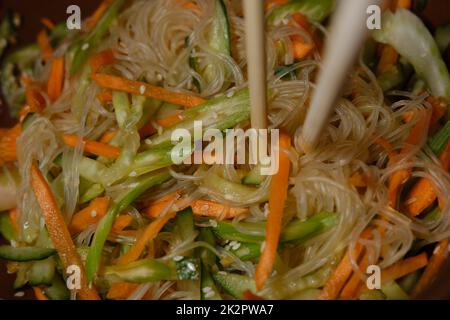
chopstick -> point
(348, 31)
(256, 61)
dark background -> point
(32, 11)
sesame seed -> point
(285, 21)
(205, 207)
(19, 294)
(159, 77)
(263, 245)
(213, 223)
(230, 94)
(85, 46)
(236, 246)
(142, 89)
(222, 273)
(191, 267)
(232, 243)
(207, 289)
(93, 213)
(209, 294)
(133, 174)
(177, 258)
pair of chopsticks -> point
(348, 31)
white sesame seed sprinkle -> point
(133, 174)
(209, 294)
(85, 46)
(142, 89)
(230, 94)
(159, 77)
(93, 213)
(191, 266)
(206, 289)
(263, 245)
(213, 223)
(19, 294)
(236, 246)
(222, 273)
(177, 258)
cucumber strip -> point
(254, 177)
(234, 284)
(42, 272)
(314, 10)
(394, 292)
(58, 289)
(150, 270)
(439, 141)
(442, 37)
(208, 289)
(6, 228)
(22, 254)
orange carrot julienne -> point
(358, 179)
(94, 147)
(44, 44)
(150, 233)
(105, 96)
(278, 194)
(202, 208)
(212, 209)
(39, 294)
(121, 290)
(103, 58)
(440, 107)
(14, 217)
(403, 4)
(171, 120)
(8, 148)
(48, 23)
(351, 289)
(121, 223)
(89, 215)
(301, 49)
(108, 136)
(56, 79)
(403, 268)
(58, 231)
(343, 271)
(417, 135)
(422, 194)
(147, 90)
(438, 259)
(98, 13)
(389, 58)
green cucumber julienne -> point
(25, 253)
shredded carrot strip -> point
(48, 23)
(94, 147)
(404, 267)
(39, 294)
(403, 4)
(248, 295)
(212, 209)
(440, 107)
(389, 58)
(149, 234)
(58, 231)
(44, 43)
(121, 223)
(56, 79)
(202, 208)
(108, 136)
(89, 215)
(14, 217)
(98, 13)
(170, 121)
(301, 49)
(278, 194)
(103, 58)
(359, 180)
(8, 148)
(438, 259)
(422, 194)
(147, 90)
(121, 290)
(351, 289)
(418, 133)
(105, 96)
(343, 271)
